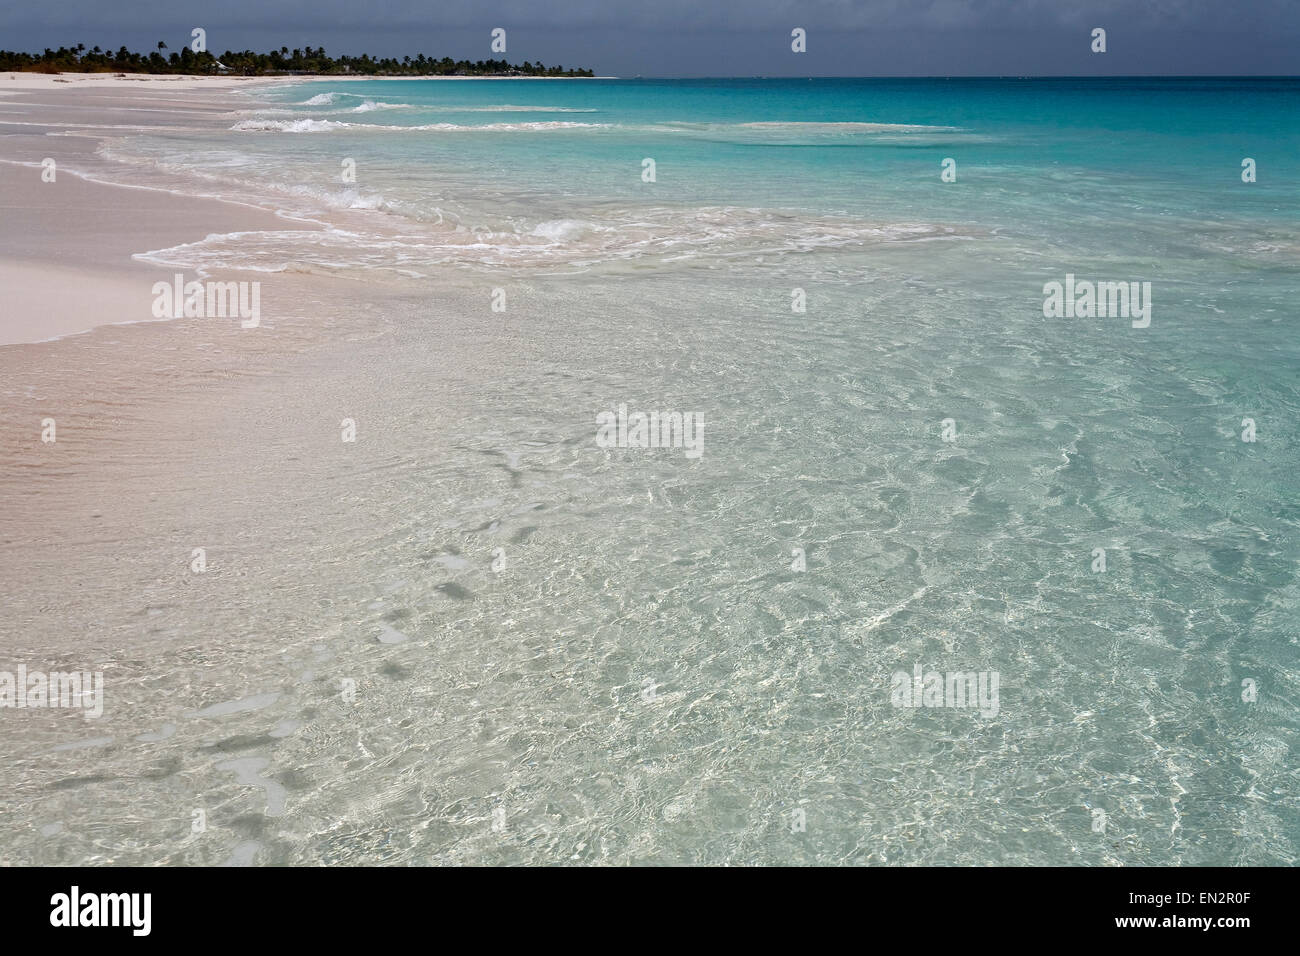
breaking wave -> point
(661, 234)
(265, 125)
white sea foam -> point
(540, 125)
(323, 126)
(661, 234)
(762, 132)
(330, 99)
(559, 230)
(370, 106)
(288, 126)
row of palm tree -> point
(78, 59)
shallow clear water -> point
(650, 677)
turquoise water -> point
(552, 171)
(682, 652)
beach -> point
(367, 584)
(71, 235)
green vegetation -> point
(247, 63)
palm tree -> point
(161, 45)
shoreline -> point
(19, 81)
(69, 262)
(93, 217)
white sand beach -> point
(67, 240)
(104, 81)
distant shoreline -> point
(302, 77)
(260, 78)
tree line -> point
(247, 63)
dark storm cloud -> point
(715, 37)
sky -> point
(714, 37)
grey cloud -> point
(715, 37)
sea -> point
(750, 471)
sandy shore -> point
(100, 81)
(326, 561)
(69, 237)
(66, 261)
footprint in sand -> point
(247, 770)
(167, 731)
(243, 854)
(83, 744)
(257, 702)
